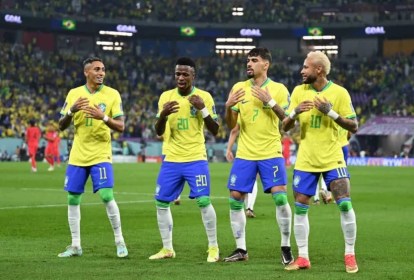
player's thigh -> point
(197, 176)
(242, 175)
(170, 181)
(272, 173)
(335, 174)
(305, 182)
(102, 175)
(76, 177)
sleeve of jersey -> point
(211, 107)
(292, 103)
(161, 103)
(283, 98)
(67, 104)
(117, 109)
(235, 107)
(346, 109)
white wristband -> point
(69, 113)
(204, 112)
(105, 118)
(333, 115)
(292, 115)
(271, 103)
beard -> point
(309, 80)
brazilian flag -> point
(315, 31)
(68, 24)
(187, 31)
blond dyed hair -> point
(321, 58)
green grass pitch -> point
(33, 229)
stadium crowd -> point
(220, 11)
(34, 83)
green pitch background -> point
(33, 229)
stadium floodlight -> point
(104, 43)
(238, 11)
(232, 40)
(115, 33)
(235, 47)
(333, 47)
(332, 52)
(319, 37)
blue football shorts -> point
(243, 174)
(173, 175)
(345, 151)
(306, 182)
(102, 175)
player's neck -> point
(320, 84)
(259, 81)
(92, 87)
(186, 91)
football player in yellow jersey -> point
(186, 109)
(321, 107)
(258, 105)
(94, 109)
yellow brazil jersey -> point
(343, 136)
(320, 148)
(259, 136)
(186, 142)
(92, 140)
(165, 139)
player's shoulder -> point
(201, 92)
(275, 85)
(110, 90)
(168, 94)
(77, 90)
(338, 88)
(301, 88)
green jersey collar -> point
(98, 90)
(324, 88)
(191, 93)
(264, 83)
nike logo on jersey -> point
(244, 101)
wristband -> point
(292, 115)
(333, 115)
(271, 103)
(105, 118)
(69, 113)
(204, 112)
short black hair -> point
(32, 122)
(186, 61)
(90, 60)
(262, 52)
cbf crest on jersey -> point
(193, 111)
(233, 179)
(296, 181)
(102, 106)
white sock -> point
(349, 228)
(301, 228)
(208, 214)
(165, 225)
(284, 220)
(112, 211)
(316, 196)
(238, 226)
(250, 199)
(74, 224)
(323, 185)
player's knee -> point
(162, 204)
(74, 198)
(106, 194)
(203, 201)
(280, 198)
(301, 209)
(344, 204)
(236, 205)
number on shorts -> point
(341, 172)
(201, 180)
(102, 173)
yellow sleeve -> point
(346, 109)
(209, 102)
(293, 101)
(161, 103)
(282, 97)
(68, 103)
(117, 109)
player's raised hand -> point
(170, 108)
(322, 105)
(304, 106)
(196, 101)
(261, 94)
(79, 104)
(94, 112)
(235, 97)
